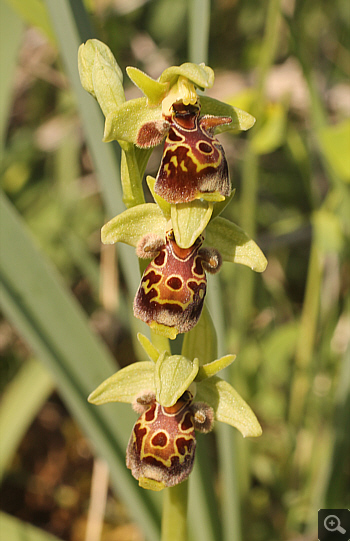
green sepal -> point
(234, 244)
(163, 205)
(229, 407)
(241, 120)
(200, 75)
(100, 75)
(210, 369)
(125, 123)
(201, 341)
(189, 221)
(125, 384)
(151, 351)
(132, 224)
(153, 90)
(173, 375)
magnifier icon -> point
(332, 524)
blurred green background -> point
(66, 322)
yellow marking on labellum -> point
(193, 160)
(183, 166)
(173, 160)
(172, 288)
(162, 445)
(160, 433)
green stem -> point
(269, 45)
(250, 172)
(130, 177)
(305, 345)
(174, 519)
(199, 23)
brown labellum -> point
(173, 286)
(163, 443)
(193, 162)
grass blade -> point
(11, 28)
(53, 324)
(72, 27)
(13, 529)
(20, 405)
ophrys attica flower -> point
(174, 397)
(172, 290)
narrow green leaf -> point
(20, 405)
(34, 12)
(335, 141)
(72, 27)
(53, 324)
(11, 28)
(13, 529)
(328, 231)
(203, 503)
(199, 27)
(272, 134)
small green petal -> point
(125, 384)
(199, 74)
(189, 221)
(234, 244)
(125, 123)
(210, 369)
(201, 341)
(241, 121)
(153, 90)
(164, 205)
(148, 347)
(173, 375)
(229, 407)
(132, 224)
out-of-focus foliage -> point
(290, 326)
